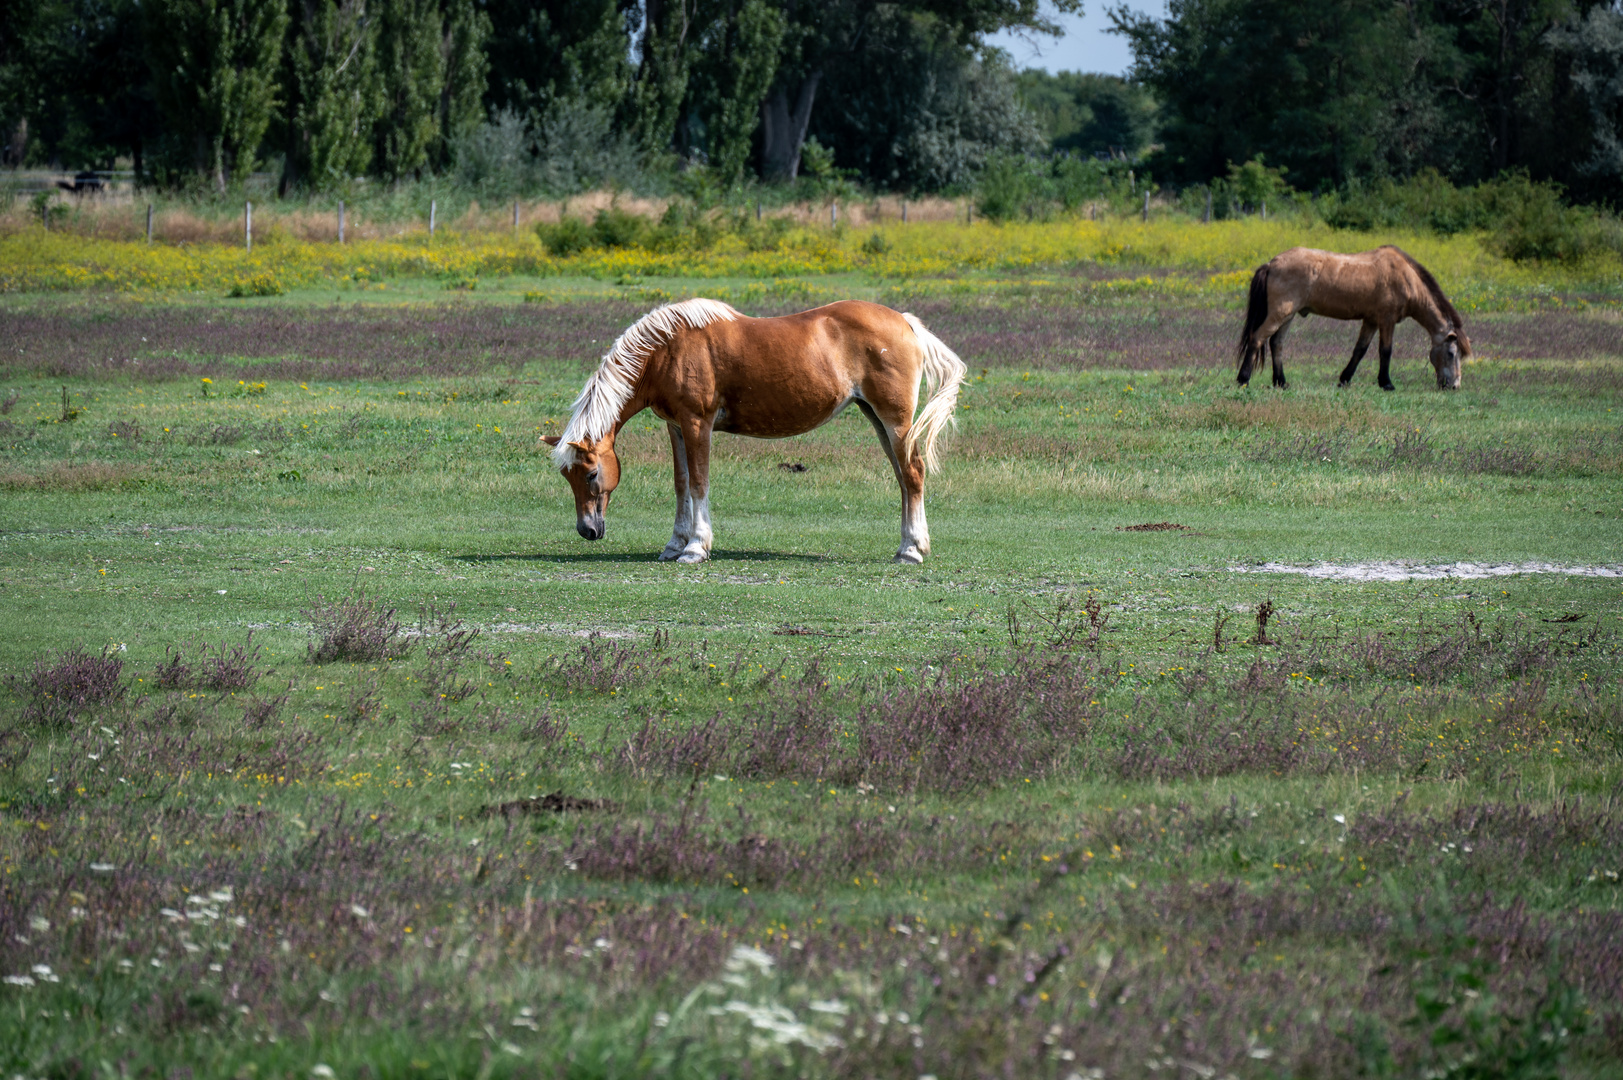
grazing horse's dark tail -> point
(1256, 312)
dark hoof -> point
(1387, 386)
(1281, 384)
(1343, 384)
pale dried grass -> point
(71, 476)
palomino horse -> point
(1381, 287)
(703, 367)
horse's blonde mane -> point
(605, 394)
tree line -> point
(1341, 93)
(902, 93)
(515, 95)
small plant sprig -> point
(1265, 611)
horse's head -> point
(1446, 354)
(593, 472)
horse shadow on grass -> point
(586, 557)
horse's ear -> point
(1453, 335)
(583, 447)
(550, 440)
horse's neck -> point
(1424, 309)
(636, 403)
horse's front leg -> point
(1384, 378)
(695, 435)
(682, 531)
(1364, 337)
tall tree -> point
(465, 72)
(333, 93)
(821, 32)
(737, 61)
(1306, 83)
(1592, 47)
(1089, 112)
(411, 70)
(214, 66)
(1501, 44)
(21, 92)
(547, 52)
(916, 108)
(669, 28)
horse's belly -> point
(767, 421)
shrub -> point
(1008, 186)
(217, 667)
(354, 628)
(569, 237)
(61, 690)
(1533, 224)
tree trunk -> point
(783, 133)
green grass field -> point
(1073, 798)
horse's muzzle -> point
(590, 528)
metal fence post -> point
(248, 226)
(432, 206)
(149, 223)
(1207, 219)
(1146, 204)
(340, 221)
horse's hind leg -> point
(910, 478)
(682, 531)
(1276, 346)
(1258, 343)
(1364, 337)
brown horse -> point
(1381, 287)
(702, 367)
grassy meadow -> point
(1226, 732)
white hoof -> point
(692, 555)
(910, 555)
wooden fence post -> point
(432, 206)
(340, 221)
(149, 223)
(248, 226)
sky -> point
(1085, 47)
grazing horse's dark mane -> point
(1435, 289)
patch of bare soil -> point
(555, 802)
(1156, 526)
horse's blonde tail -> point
(943, 373)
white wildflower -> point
(102, 867)
(359, 912)
(20, 980)
(746, 957)
(832, 1007)
(39, 925)
(323, 1071)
